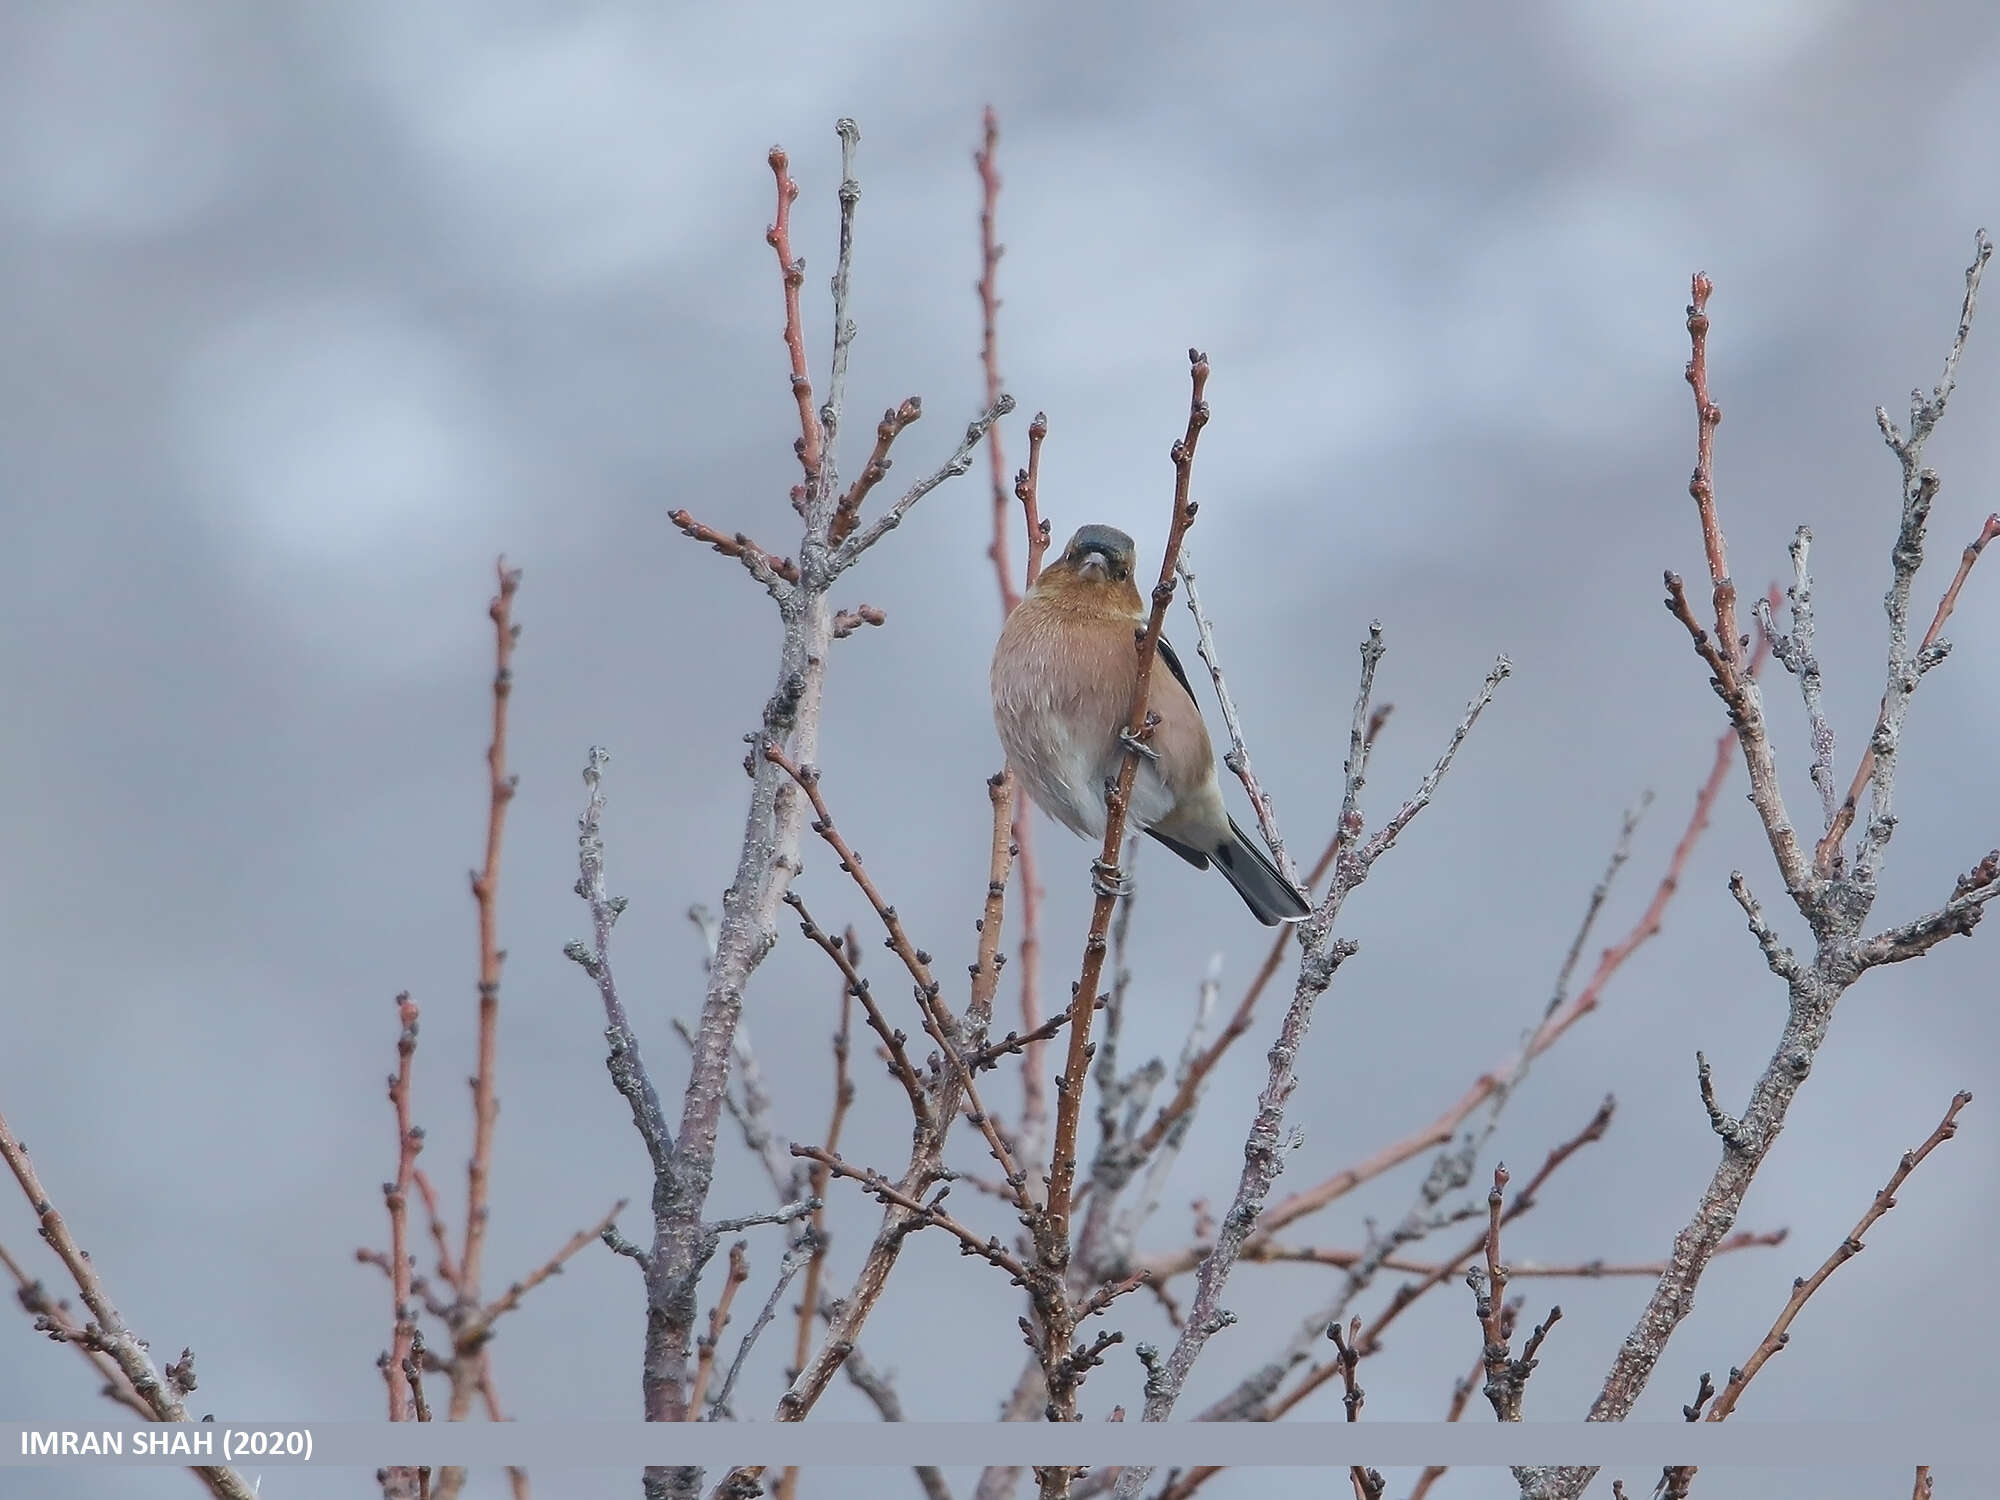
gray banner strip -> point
(845, 1444)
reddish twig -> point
(793, 270)
(1506, 1377)
(847, 621)
(1027, 490)
(485, 892)
(738, 546)
(893, 1039)
(1034, 1092)
(1052, 1230)
(847, 511)
(447, 1268)
(1805, 1286)
(475, 1330)
(718, 1319)
(1701, 485)
(989, 354)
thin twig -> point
(1805, 1286)
(718, 1319)
(486, 893)
(409, 1141)
(52, 1316)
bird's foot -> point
(1138, 746)
(1109, 880)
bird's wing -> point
(1174, 665)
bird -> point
(1062, 679)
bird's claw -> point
(1109, 880)
(1138, 746)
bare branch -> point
(848, 553)
(718, 1319)
(1506, 1377)
(857, 987)
(1051, 1230)
(768, 568)
(1834, 905)
(847, 513)
(796, 1255)
(931, 1212)
(409, 1141)
(1956, 918)
(843, 325)
(52, 1317)
(106, 1333)
(627, 1067)
(485, 892)
(848, 621)
(810, 446)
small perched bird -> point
(1063, 676)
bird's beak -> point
(1095, 566)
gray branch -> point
(1784, 963)
(627, 1067)
(767, 860)
(1920, 487)
(849, 552)
(843, 325)
(1795, 653)
(1263, 1159)
(1836, 906)
(796, 1255)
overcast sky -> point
(311, 312)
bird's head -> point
(1096, 563)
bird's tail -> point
(1268, 894)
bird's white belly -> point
(1066, 775)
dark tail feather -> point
(1270, 898)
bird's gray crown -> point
(1109, 540)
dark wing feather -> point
(1193, 856)
(1174, 666)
